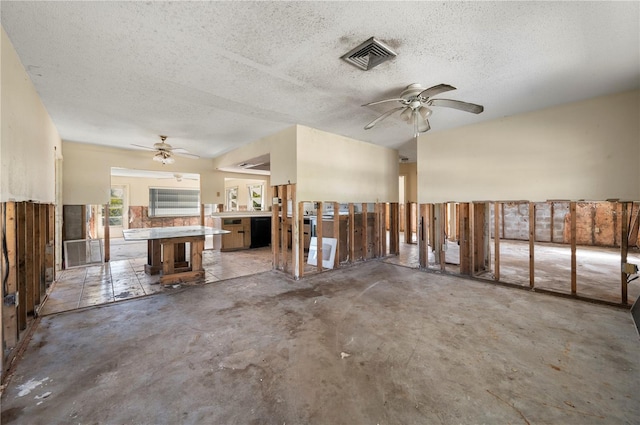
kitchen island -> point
(166, 251)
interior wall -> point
(29, 141)
(336, 168)
(410, 170)
(87, 172)
(282, 149)
(585, 150)
(138, 187)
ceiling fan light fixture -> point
(163, 158)
(406, 114)
(425, 112)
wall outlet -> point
(11, 299)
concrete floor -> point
(374, 343)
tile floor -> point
(124, 278)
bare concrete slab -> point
(375, 343)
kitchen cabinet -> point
(239, 236)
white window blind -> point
(165, 202)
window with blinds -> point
(165, 202)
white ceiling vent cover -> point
(369, 54)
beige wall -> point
(29, 141)
(585, 150)
(337, 168)
(282, 149)
(410, 171)
(138, 187)
(87, 172)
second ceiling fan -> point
(416, 106)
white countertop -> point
(148, 233)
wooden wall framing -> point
(28, 269)
(360, 235)
(472, 223)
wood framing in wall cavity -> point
(573, 223)
(360, 231)
(28, 232)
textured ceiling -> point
(216, 75)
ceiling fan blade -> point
(456, 104)
(381, 117)
(386, 100)
(143, 147)
(432, 91)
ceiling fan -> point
(164, 151)
(179, 177)
(417, 101)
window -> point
(256, 202)
(232, 199)
(174, 202)
(116, 205)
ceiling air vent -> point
(369, 54)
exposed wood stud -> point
(407, 223)
(423, 237)
(51, 236)
(385, 232)
(43, 250)
(552, 219)
(365, 225)
(9, 312)
(496, 240)
(432, 228)
(395, 230)
(464, 238)
(275, 227)
(30, 264)
(442, 229)
(573, 237)
(202, 221)
(37, 255)
(285, 227)
(352, 234)
(319, 236)
(298, 218)
(107, 236)
(21, 237)
(297, 234)
(336, 233)
(624, 250)
(472, 239)
(532, 240)
(503, 220)
(376, 230)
